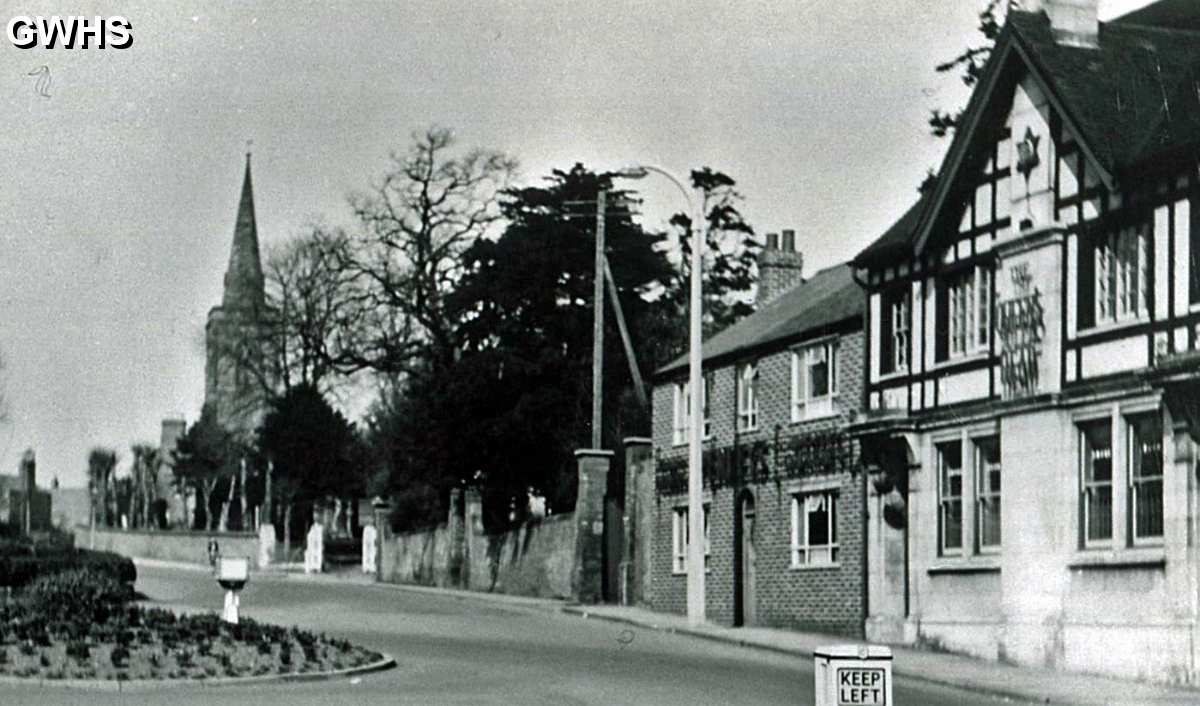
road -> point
(455, 650)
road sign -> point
(857, 685)
(853, 675)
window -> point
(968, 308)
(814, 380)
(1122, 274)
(747, 397)
(682, 415)
(681, 429)
(679, 540)
(1146, 477)
(950, 498)
(1097, 483)
(987, 493)
(894, 333)
(814, 528)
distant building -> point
(1033, 359)
(235, 372)
(783, 495)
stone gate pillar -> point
(475, 560)
(588, 570)
(456, 528)
(637, 533)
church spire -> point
(244, 277)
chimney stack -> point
(780, 267)
(1074, 23)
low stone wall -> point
(534, 560)
(417, 557)
(189, 547)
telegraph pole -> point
(598, 323)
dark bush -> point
(80, 599)
(17, 570)
(120, 657)
(79, 650)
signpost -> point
(853, 675)
(232, 573)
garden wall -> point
(549, 558)
(189, 547)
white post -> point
(231, 607)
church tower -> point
(236, 376)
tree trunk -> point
(287, 532)
(203, 489)
(242, 493)
(224, 524)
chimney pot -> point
(772, 241)
(789, 241)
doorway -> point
(745, 603)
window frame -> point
(802, 554)
(1087, 487)
(895, 331)
(946, 499)
(969, 303)
(1134, 479)
(804, 404)
(681, 430)
(679, 540)
(985, 495)
(747, 397)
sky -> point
(119, 192)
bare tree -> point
(415, 223)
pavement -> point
(1008, 682)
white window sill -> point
(1117, 325)
(815, 567)
(1135, 557)
(825, 407)
(979, 564)
(685, 573)
(894, 375)
(686, 442)
(960, 359)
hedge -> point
(17, 570)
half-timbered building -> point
(783, 493)
(1033, 325)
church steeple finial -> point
(244, 277)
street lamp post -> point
(695, 545)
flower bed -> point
(80, 625)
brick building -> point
(782, 489)
(1033, 359)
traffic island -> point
(80, 628)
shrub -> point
(79, 650)
(120, 657)
(79, 600)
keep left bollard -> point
(233, 572)
(853, 675)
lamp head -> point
(633, 171)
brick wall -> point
(826, 599)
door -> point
(746, 522)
